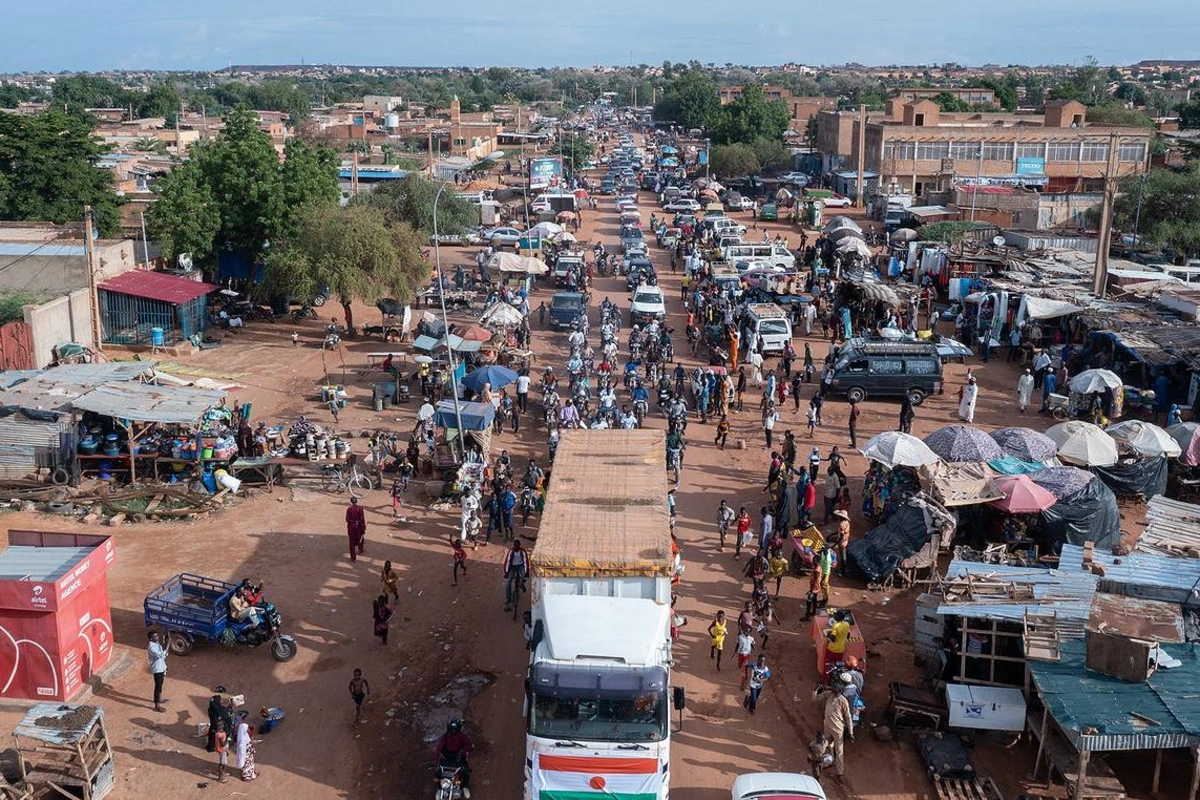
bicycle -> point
(334, 479)
(515, 585)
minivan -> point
(768, 322)
(877, 367)
(565, 308)
(775, 253)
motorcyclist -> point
(675, 446)
(628, 420)
(680, 377)
(454, 746)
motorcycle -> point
(305, 312)
(639, 411)
(449, 778)
(332, 342)
(527, 504)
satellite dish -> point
(185, 262)
(998, 241)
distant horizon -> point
(66, 36)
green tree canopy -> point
(948, 101)
(751, 116)
(185, 217)
(1170, 209)
(409, 201)
(731, 160)
(948, 232)
(772, 155)
(1116, 114)
(48, 171)
(689, 101)
(574, 149)
(1006, 92)
(1189, 115)
(354, 251)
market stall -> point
(452, 452)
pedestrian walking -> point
(837, 724)
(797, 383)
(779, 568)
(743, 532)
(831, 493)
(381, 615)
(810, 418)
(744, 647)
(852, 423)
(766, 529)
(523, 382)
(356, 528)
(814, 464)
(970, 395)
(725, 516)
(722, 432)
(157, 655)
(359, 689)
(757, 674)
(818, 402)
(770, 417)
(390, 579)
(541, 312)
(717, 629)
(244, 741)
(460, 558)
(1024, 390)
(221, 747)
(906, 414)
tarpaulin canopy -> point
(1088, 515)
(1144, 437)
(1144, 476)
(1187, 434)
(475, 416)
(961, 484)
(1045, 308)
(879, 553)
(511, 262)
(499, 315)
(1011, 465)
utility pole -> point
(145, 244)
(90, 252)
(1100, 283)
(354, 173)
(860, 190)
(978, 178)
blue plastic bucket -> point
(157, 337)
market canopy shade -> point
(475, 416)
(1062, 481)
(546, 229)
(1187, 435)
(582, 194)
(1022, 495)
(895, 449)
(498, 315)
(144, 402)
(1026, 444)
(1145, 438)
(566, 215)
(475, 333)
(963, 443)
(494, 374)
(511, 262)
(1045, 308)
(1094, 380)
(1084, 444)
(565, 236)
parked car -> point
(777, 786)
(565, 308)
(646, 304)
(500, 236)
(795, 178)
(738, 202)
(836, 200)
(682, 204)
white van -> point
(770, 323)
(775, 253)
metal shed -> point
(133, 304)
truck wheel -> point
(856, 394)
(916, 396)
(283, 649)
(180, 644)
(318, 301)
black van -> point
(878, 367)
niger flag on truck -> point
(590, 777)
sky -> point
(83, 35)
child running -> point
(460, 558)
(717, 630)
(359, 689)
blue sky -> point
(209, 34)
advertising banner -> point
(545, 172)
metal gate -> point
(16, 346)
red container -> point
(55, 618)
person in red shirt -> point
(743, 529)
(460, 557)
(452, 750)
(356, 528)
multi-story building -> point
(974, 95)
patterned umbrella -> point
(1187, 434)
(963, 443)
(1084, 444)
(1022, 495)
(895, 449)
(1062, 482)
(1026, 444)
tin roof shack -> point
(135, 304)
(54, 612)
(64, 750)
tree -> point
(353, 251)
(811, 130)
(48, 171)
(731, 160)
(1131, 93)
(1115, 114)
(1088, 84)
(1006, 95)
(1170, 208)
(772, 155)
(184, 218)
(949, 102)
(948, 232)
(689, 101)
(409, 201)
(574, 149)
(751, 116)
(12, 95)
(1189, 115)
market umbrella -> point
(1026, 444)
(426, 411)
(1022, 495)
(423, 359)
(903, 235)
(1187, 434)
(783, 194)
(545, 229)
(565, 236)
(565, 215)
(582, 194)
(1062, 481)
(494, 374)
(853, 245)
(499, 315)
(1084, 444)
(1094, 380)
(895, 449)
(475, 333)
(1145, 438)
(963, 443)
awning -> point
(879, 292)
(475, 416)
(511, 262)
(143, 402)
(157, 286)
(1045, 308)
(964, 484)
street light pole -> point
(707, 156)
(978, 177)
(1137, 214)
(437, 259)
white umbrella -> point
(425, 412)
(854, 245)
(1084, 444)
(1145, 438)
(895, 449)
(565, 236)
(545, 229)
(499, 315)
(1094, 380)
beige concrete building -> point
(472, 136)
(976, 96)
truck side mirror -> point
(679, 701)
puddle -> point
(432, 714)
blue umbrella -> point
(494, 374)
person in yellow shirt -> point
(717, 630)
(779, 567)
(836, 639)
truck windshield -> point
(605, 705)
(774, 326)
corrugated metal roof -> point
(45, 564)
(157, 286)
(26, 444)
(146, 403)
(1079, 697)
(55, 389)
(1072, 613)
(1141, 574)
(1169, 524)
(83, 719)
(41, 250)
(606, 511)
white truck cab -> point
(770, 323)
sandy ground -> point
(452, 650)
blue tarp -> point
(475, 416)
(1011, 465)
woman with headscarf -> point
(966, 406)
(244, 741)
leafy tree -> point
(1170, 208)
(1114, 114)
(772, 155)
(1088, 84)
(751, 116)
(74, 93)
(689, 101)
(949, 102)
(574, 149)
(12, 95)
(184, 218)
(354, 251)
(948, 232)
(730, 160)
(1129, 92)
(48, 171)
(309, 176)
(1006, 95)
(1189, 115)
(409, 201)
